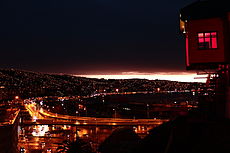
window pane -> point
(201, 40)
(207, 39)
(208, 43)
(214, 43)
(200, 35)
(207, 35)
(213, 34)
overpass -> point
(43, 117)
(95, 122)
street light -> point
(86, 113)
(115, 113)
(16, 97)
(147, 105)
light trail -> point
(66, 119)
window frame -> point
(198, 43)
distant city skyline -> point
(176, 76)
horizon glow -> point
(172, 76)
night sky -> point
(92, 36)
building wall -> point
(9, 138)
(205, 56)
(227, 37)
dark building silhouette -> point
(188, 134)
(9, 122)
(122, 140)
(206, 26)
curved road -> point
(42, 116)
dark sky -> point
(91, 36)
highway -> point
(43, 117)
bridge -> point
(43, 117)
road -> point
(43, 117)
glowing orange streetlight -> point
(16, 97)
(158, 89)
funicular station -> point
(206, 29)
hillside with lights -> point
(33, 84)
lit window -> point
(207, 40)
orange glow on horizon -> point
(179, 76)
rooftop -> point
(205, 9)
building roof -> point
(205, 9)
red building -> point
(206, 26)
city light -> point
(35, 118)
(16, 97)
(40, 130)
(175, 76)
